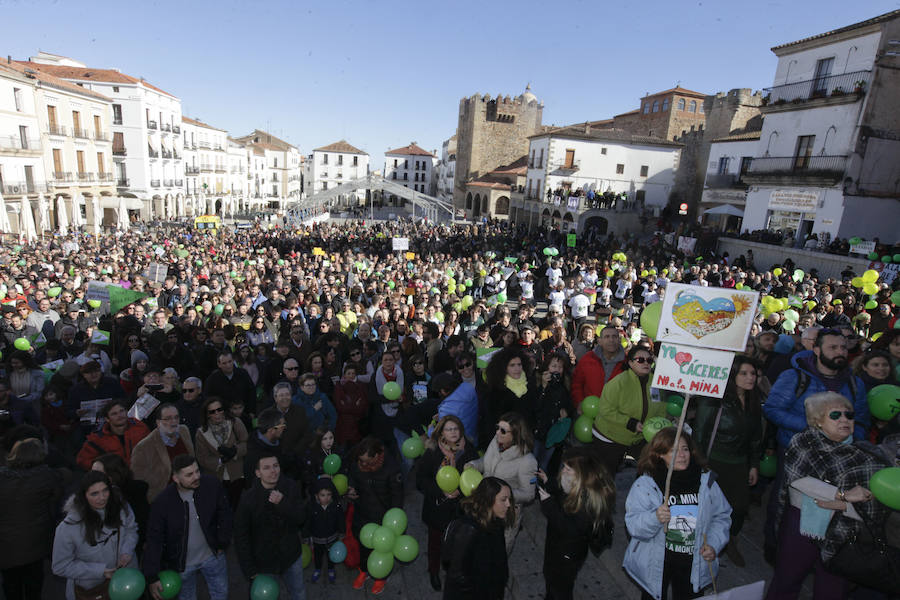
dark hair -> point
(115, 468)
(268, 418)
(830, 331)
(369, 446)
(753, 398)
(480, 505)
(651, 460)
(26, 454)
(521, 432)
(496, 369)
(93, 524)
(111, 405)
(632, 353)
(182, 461)
(316, 441)
(464, 356)
(23, 357)
(204, 415)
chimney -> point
(9, 59)
(587, 127)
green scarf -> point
(519, 386)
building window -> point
(603, 151)
(645, 170)
(723, 164)
(17, 95)
(745, 164)
(681, 104)
(394, 175)
(324, 185)
(656, 106)
(406, 163)
(570, 158)
(646, 108)
(324, 159)
(693, 106)
(804, 151)
(116, 89)
(276, 162)
(701, 111)
(823, 71)
(406, 177)
(620, 169)
(117, 114)
(541, 160)
(640, 197)
(355, 161)
(23, 136)
(118, 142)
(665, 105)
(395, 163)
(340, 160)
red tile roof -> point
(197, 123)
(52, 81)
(341, 146)
(264, 136)
(894, 14)
(679, 90)
(412, 150)
(89, 74)
(517, 167)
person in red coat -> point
(119, 435)
(351, 400)
(598, 366)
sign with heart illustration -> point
(692, 370)
(718, 318)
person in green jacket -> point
(729, 431)
(624, 406)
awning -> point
(725, 209)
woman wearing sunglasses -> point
(824, 473)
(221, 443)
(625, 405)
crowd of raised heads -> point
(286, 390)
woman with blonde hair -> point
(578, 505)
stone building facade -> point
(492, 132)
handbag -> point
(868, 560)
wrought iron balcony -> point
(832, 86)
(57, 130)
(119, 151)
(166, 127)
(190, 170)
(166, 153)
(567, 167)
(81, 133)
(101, 136)
(206, 168)
(85, 177)
(62, 176)
(176, 129)
(16, 142)
(204, 144)
(179, 183)
(797, 167)
(724, 180)
(168, 182)
(154, 183)
(151, 124)
(220, 169)
(176, 154)
(123, 182)
(105, 177)
(18, 188)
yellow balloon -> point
(870, 276)
(777, 272)
(857, 282)
(870, 288)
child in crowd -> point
(324, 525)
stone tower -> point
(492, 132)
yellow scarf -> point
(519, 386)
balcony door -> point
(823, 72)
(98, 131)
(804, 151)
(570, 158)
(76, 122)
(29, 179)
(79, 157)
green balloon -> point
(650, 318)
(391, 390)
(126, 584)
(884, 401)
(590, 406)
(219, 309)
(406, 548)
(22, 344)
(395, 519)
(305, 555)
(54, 291)
(265, 587)
(897, 258)
(468, 282)
(768, 465)
(854, 241)
(171, 584)
(679, 400)
(895, 298)
(501, 297)
(412, 448)
(380, 564)
(885, 486)
(341, 484)
(673, 409)
(871, 304)
(447, 478)
(469, 480)
(886, 258)
(365, 534)
(392, 284)
(583, 428)
(383, 539)
(331, 464)
(873, 256)
(654, 425)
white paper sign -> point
(686, 244)
(794, 200)
(692, 370)
(718, 318)
(400, 243)
(863, 248)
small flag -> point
(484, 356)
(50, 368)
(39, 340)
(100, 337)
(570, 240)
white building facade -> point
(729, 160)
(445, 171)
(826, 162)
(412, 167)
(336, 164)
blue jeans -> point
(293, 580)
(543, 454)
(405, 463)
(215, 572)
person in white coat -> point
(98, 535)
(509, 457)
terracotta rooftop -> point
(580, 132)
(412, 150)
(258, 136)
(747, 136)
(894, 14)
(679, 90)
(495, 182)
(266, 146)
(341, 146)
(197, 123)
(517, 167)
(89, 74)
(52, 80)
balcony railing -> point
(62, 176)
(123, 182)
(189, 170)
(17, 188)
(220, 169)
(85, 177)
(153, 153)
(206, 168)
(167, 154)
(166, 127)
(57, 130)
(203, 144)
(101, 136)
(828, 167)
(724, 180)
(117, 120)
(568, 167)
(105, 177)
(176, 154)
(219, 148)
(119, 152)
(176, 129)
(15, 142)
(179, 183)
(151, 124)
(81, 133)
(154, 183)
(167, 182)
(821, 87)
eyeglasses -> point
(395, 351)
(355, 353)
(502, 430)
(836, 415)
(464, 365)
(191, 390)
(213, 411)
(290, 368)
(643, 359)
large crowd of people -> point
(168, 396)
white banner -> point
(863, 248)
(710, 317)
(794, 200)
(686, 244)
(692, 370)
(400, 243)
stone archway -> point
(476, 207)
(469, 201)
(501, 206)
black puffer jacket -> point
(437, 509)
(475, 560)
(267, 535)
(30, 501)
(568, 537)
(378, 491)
(550, 400)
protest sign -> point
(692, 370)
(718, 318)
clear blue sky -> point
(382, 74)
